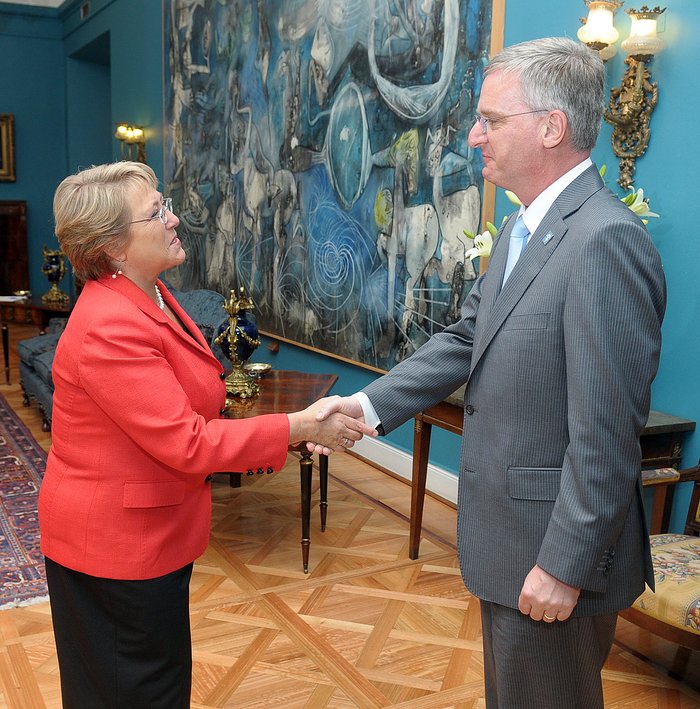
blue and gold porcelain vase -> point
(238, 340)
(54, 268)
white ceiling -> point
(37, 3)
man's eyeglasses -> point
(485, 122)
(166, 205)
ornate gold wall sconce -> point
(631, 104)
(132, 142)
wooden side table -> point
(661, 443)
(284, 391)
(28, 312)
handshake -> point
(330, 424)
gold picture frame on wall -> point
(7, 147)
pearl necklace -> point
(159, 297)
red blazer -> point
(136, 432)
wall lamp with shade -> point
(631, 104)
(132, 142)
(597, 30)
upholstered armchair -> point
(673, 611)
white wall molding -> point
(440, 481)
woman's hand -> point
(340, 428)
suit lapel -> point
(499, 301)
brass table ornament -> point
(54, 268)
(238, 340)
(257, 370)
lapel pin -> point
(547, 237)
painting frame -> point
(7, 148)
(370, 328)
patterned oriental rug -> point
(22, 465)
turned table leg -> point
(323, 480)
(421, 446)
(305, 469)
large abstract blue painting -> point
(316, 153)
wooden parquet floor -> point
(367, 627)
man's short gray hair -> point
(559, 73)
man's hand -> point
(328, 426)
(347, 406)
(544, 597)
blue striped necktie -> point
(518, 239)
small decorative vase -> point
(238, 340)
(54, 268)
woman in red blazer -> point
(125, 504)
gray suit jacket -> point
(558, 366)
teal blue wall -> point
(40, 47)
(67, 98)
(32, 88)
(135, 90)
(88, 112)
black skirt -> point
(122, 643)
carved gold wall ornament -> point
(631, 104)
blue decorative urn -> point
(54, 268)
(238, 340)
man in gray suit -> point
(558, 355)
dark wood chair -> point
(673, 611)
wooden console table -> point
(283, 392)
(28, 312)
(661, 443)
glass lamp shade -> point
(599, 29)
(135, 135)
(607, 52)
(642, 39)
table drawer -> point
(20, 314)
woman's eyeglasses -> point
(166, 205)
